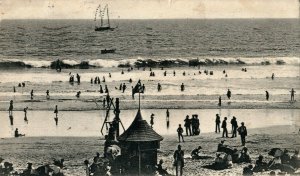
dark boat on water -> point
(107, 51)
(101, 13)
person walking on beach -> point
(224, 126)
(267, 95)
(92, 81)
(273, 76)
(293, 94)
(165, 73)
(234, 127)
(11, 108)
(243, 133)
(187, 125)
(174, 73)
(47, 95)
(25, 114)
(220, 101)
(143, 88)
(217, 121)
(182, 87)
(152, 120)
(228, 94)
(180, 132)
(14, 89)
(179, 160)
(31, 94)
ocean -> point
(155, 43)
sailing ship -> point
(104, 24)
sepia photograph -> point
(149, 87)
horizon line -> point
(143, 18)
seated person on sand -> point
(224, 162)
(17, 134)
(98, 168)
(224, 148)
(277, 164)
(260, 166)
(160, 170)
(295, 160)
(244, 158)
(5, 168)
(195, 153)
(248, 170)
(285, 157)
(235, 155)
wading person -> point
(31, 94)
(152, 120)
(293, 94)
(243, 133)
(267, 95)
(218, 121)
(220, 101)
(168, 118)
(11, 108)
(55, 111)
(179, 132)
(47, 95)
(179, 160)
(182, 87)
(224, 126)
(25, 114)
(228, 94)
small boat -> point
(107, 51)
(101, 13)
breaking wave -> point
(146, 62)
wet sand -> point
(41, 150)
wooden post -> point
(139, 158)
(117, 112)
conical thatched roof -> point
(139, 131)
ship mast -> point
(107, 16)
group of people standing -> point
(242, 130)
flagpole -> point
(139, 100)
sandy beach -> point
(41, 150)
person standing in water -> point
(14, 88)
(168, 118)
(182, 87)
(56, 115)
(293, 94)
(47, 95)
(11, 108)
(220, 101)
(228, 94)
(31, 94)
(273, 76)
(152, 120)
(217, 121)
(267, 95)
(25, 114)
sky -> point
(149, 9)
